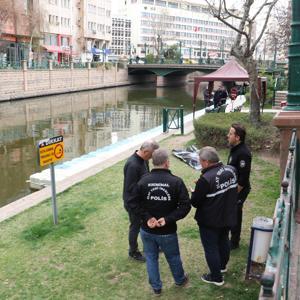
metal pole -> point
(181, 119)
(53, 191)
(180, 60)
(293, 98)
(165, 119)
(200, 54)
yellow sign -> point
(51, 150)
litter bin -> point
(263, 228)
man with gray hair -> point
(136, 166)
(161, 199)
(215, 200)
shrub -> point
(212, 129)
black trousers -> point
(236, 230)
(215, 242)
(134, 229)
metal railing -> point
(173, 119)
(275, 279)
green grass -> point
(85, 256)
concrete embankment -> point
(27, 83)
(121, 151)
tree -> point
(279, 32)
(243, 21)
(159, 24)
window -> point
(64, 41)
(148, 1)
(161, 3)
(173, 4)
(65, 3)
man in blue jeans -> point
(215, 199)
(161, 199)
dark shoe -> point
(184, 282)
(137, 255)
(223, 270)
(207, 278)
(157, 292)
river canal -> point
(87, 120)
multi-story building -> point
(78, 28)
(94, 19)
(121, 36)
(17, 31)
(187, 24)
(57, 28)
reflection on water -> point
(87, 120)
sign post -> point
(50, 151)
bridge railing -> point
(275, 279)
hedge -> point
(212, 129)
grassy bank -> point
(266, 136)
(85, 256)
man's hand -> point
(152, 222)
(161, 222)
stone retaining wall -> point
(26, 83)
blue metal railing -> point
(275, 280)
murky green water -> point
(87, 120)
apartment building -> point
(95, 21)
(160, 23)
(77, 28)
(57, 28)
(121, 36)
(17, 31)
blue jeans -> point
(169, 245)
(215, 242)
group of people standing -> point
(155, 200)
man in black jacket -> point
(161, 199)
(136, 166)
(215, 199)
(240, 158)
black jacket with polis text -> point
(240, 157)
(161, 194)
(134, 169)
(215, 197)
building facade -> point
(61, 30)
(158, 24)
(121, 36)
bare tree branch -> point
(264, 26)
(229, 13)
(260, 10)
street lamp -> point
(160, 49)
(222, 51)
(180, 57)
(130, 57)
(200, 52)
(145, 46)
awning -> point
(56, 49)
(231, 71)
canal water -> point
(87, 120)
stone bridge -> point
(170, 74)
